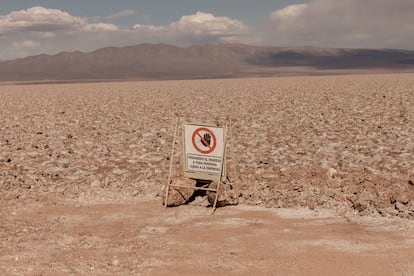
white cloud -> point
(123, 13)
(100, 27)
(196, 28)
(288, 13)
(207, 24)
(350, 23)
(39, 19)
(42, 30)
(26, 44)
(149, 28)
(199, 24)
(48, 21)
(46, 34)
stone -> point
(179, 195)
(115, 262)
(96, 184)
(227, 196)
(401, 207)
(402, 198)
(355, 189)
(332, 173)
(362, 201)
(402, 193)
(323, 199)
(360, 206)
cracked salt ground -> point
(341, 142)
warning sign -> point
(204, 140)
(203, 151)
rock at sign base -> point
(179, 195)
(226, 195)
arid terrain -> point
(325, 168)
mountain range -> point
(163, 61)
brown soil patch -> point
(53, 237)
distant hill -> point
(162, 61)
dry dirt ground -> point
(82, 167)
(55, 237)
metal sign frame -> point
(217, 178)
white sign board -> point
(203, 151)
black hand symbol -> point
(206, 139)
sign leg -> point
(167, 186)
(221, 172)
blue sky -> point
(29, 27)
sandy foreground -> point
(82, 167)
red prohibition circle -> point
(196, 133)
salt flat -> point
(338, 143)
